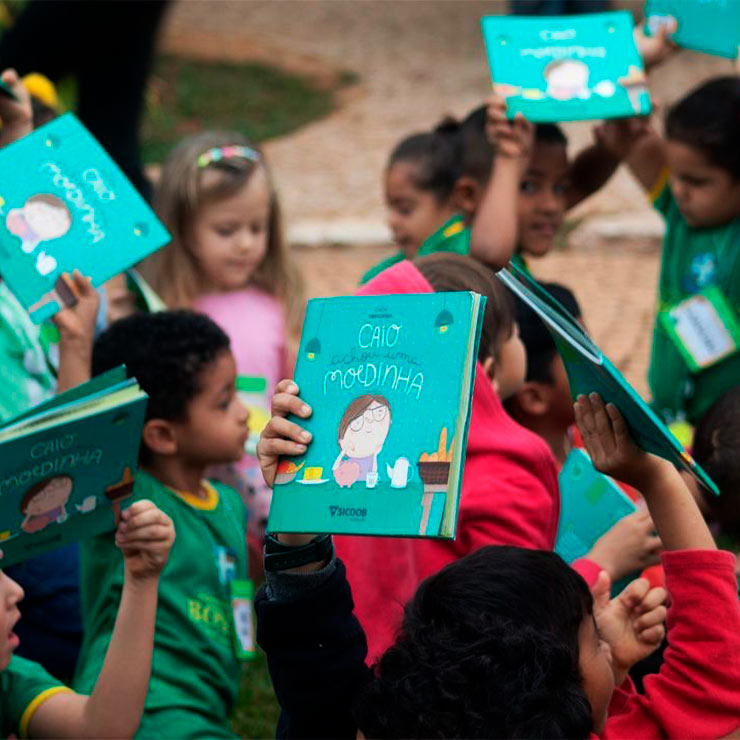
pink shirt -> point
(255, 324)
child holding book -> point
(227, 259)
(434, 184)
(33, 704)
(194, 420)
(543, 405)
(510, 642)
(693, 177)
(510, 489)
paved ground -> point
(417, 61)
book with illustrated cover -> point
(72, 209)
(590, 371)
(711, 26)
(67, 466)
(567, 68)
(390, 381)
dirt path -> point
(416, 62)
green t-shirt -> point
(692, 259)
(194, 665)
(452, 236)
(26, 369)
(24, 686)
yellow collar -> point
(204, 504)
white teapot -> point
(400, 473)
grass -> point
(186, 96)
(257, 710)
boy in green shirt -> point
(194, 420)
(33, 704)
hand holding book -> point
(613, 451)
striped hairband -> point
(216, 154)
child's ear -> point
(532, 399)
(466, 194)
(159, 436)
(489, 365)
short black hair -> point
(166, 352)
(448, 272)
(475, 152)
(488, 647)
(434, 155)
(537, 340)
(716, 448)
(708, 119)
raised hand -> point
(609, 444)
(145, 535)
(618, 136)
(280, 436)
(628, 547)
(632, 622)
(511, 139)
(78, 321)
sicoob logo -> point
(347, 511)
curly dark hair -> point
(488, 649)
(166, 352)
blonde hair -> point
(181, 192)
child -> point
(32, 369)
(194, 419)
(693, 176)
(543, 405)
(227, 259)
(434, 185)
(510, 490)
(717, 449)
(510, 643)
(33, 704)
(419, 192)
(550, 184)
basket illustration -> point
(434, 473)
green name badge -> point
(704, 328)
(242, 596)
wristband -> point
(279, 556)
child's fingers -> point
(585, 416)
(653, 635)
(82, 284)
(635, 592)
(152, 535)
(288, 403)
(650, 619)
(269, 446)
(654, 598)
(621, 433)
(131, 522)
(279, 428)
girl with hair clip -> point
(227, 259)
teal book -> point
(591, 503)
(390, 380)
(590, 371)
(711, 26)
(73, 208)
(567, 68)
(67, 466)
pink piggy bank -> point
(346, 474)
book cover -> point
(711, 26)
(590, 371)
(567, 68)
(390, 381)
(72, 209)
(66, 469)
(591, 503)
